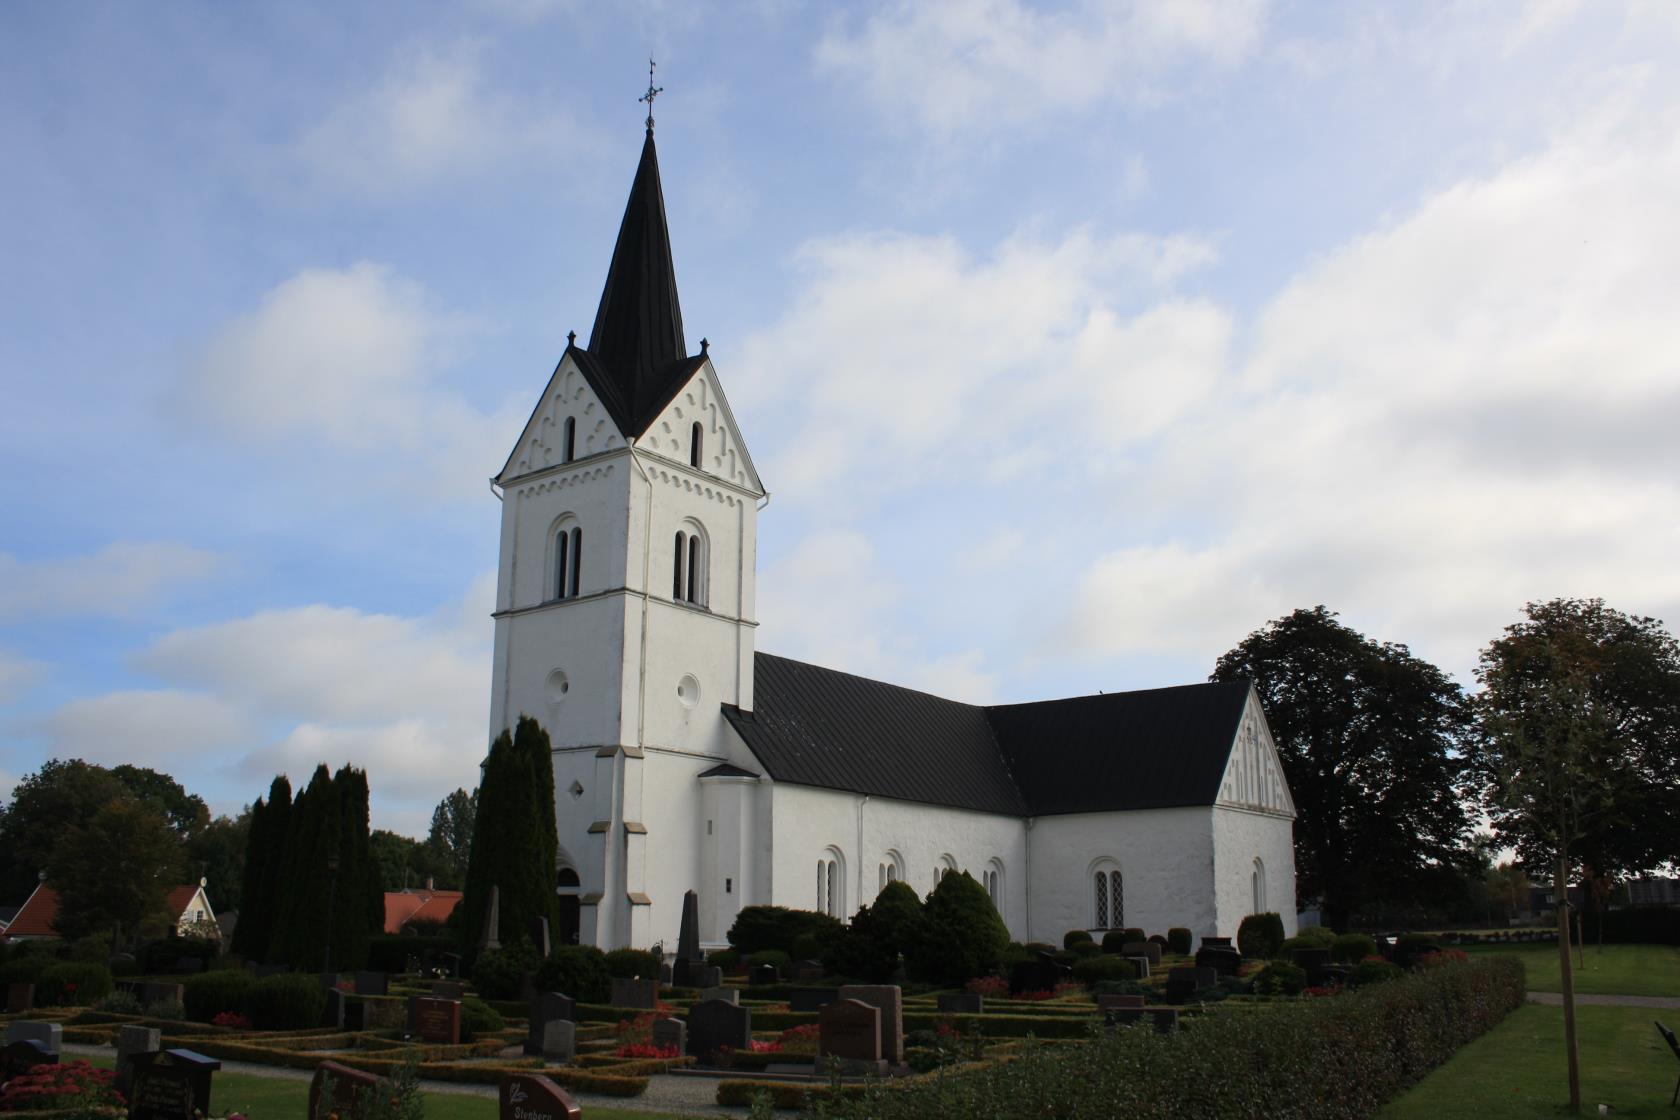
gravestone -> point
(961, 1003)
(668, 1034)
(133, 1040)
(1184, 982)
(171, 1085)
(540, 937)
(355, 1015)
(713, 1025)
(1105, 1004)
(531, 1096)
(850, 1030)
(890, 999)
(728, 995)
(492, 921)
(19, 998)
(667, 975)
(437, 1021)
(1142, 966)
(805, 972)
(811, 999)
(704, 975)
(19, 1057)
(373, 984)
(761, 974)
(448, 989)
(547, 1008)
(1135, 949)
(347, 1089)
(1314, 961)
(1223, 959)
(689, 956)
(643, 994)
(1216, 943)
(559, 1041)
(49, 1035)
(152, 992)
(332, 1015)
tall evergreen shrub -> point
(515, 845)
(265, 847)
(962, 936)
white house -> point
(684, 759)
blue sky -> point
(1074, 342)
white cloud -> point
(122, 577)
(17, 675)
(148, 728)
(981, 65)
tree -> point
(115, 869)
(515, 845)
(301, 899)
(265, 849)
(961, 935)
(216, 853)
(396, 859)
(44, 806)
(449, 844)
(1580, 748)
(1372, 741)
(187, 811)
(873, 945)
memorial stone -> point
(171, 1085)
(1223, 959)
(355, 1015)
(728, 995)
(805, 972)
(540, 937)
(373, 984)
(49, 1035)
(1142, 965)
(643, 994)
(811, 999)
(761, 974)
(448, 989)
(850, 1029)
(132, 1040)
(559, 1041)
(961, 1003)
(19, 998)
(714, 1025)
(890, 999)
(689, 956)
(151, 992)
(19, 1057)
(531, 1096)
(435, 1020)
(332, 1015)
(547, 1008)
(348, 1087)
(1135, 949)
(670, 1034)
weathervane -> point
(653, 92)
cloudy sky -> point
(1074, 341)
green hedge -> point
(1339, 1058)
(213, 993)
(291, 1001)
(72, 984)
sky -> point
(1074, 342)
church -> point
(686, 759)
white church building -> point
(685, 759)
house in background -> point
(37, 918)
(407, 907)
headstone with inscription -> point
(670, 1034)
(811, 999)
(531, 1096)
(704, 976)
(728, 995)
(850, 1030)
(19, 998)
(437, 1021)
(643, 994)
(559, 1041)
(548, 1007)
(448, 989)
(171, 1085)
(132, 1040)
(49, 1035)
(961, 1003)
(19, 1057)
(714, 1025)
(348, 1086)
(373, 984)
(890, 999)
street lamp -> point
(332, 882)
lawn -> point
(1615, 970)
(284, 1098)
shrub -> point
(1087, 949)
(1074, 936)
(169, 1009)
(628, 964)
(579, 971)
(961, 937)
(1114, 940)
(873, 945)
(777, 957)
(1133, 934)
(479, 1018)
(213, 993)
(727, 959)
(24, 969)
(1179, 940)
(285, 1003)
(1260, 936)
(1350, 948)
(72, 1088)
(119, 1003)
(123, 966)
(1410, 946)
(393, 952)
(1374, 970)
(1103, 967)
(775, 927)
(500, 973)
(73, 984)
(1316, 937)
(1280, 978)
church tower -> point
(624, 602)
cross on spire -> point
(652, 92)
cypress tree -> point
(265, 848)
(488, 861)
(302, 900)
(542, 849)
(357, 901)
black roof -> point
(637, 358)
(1155, 748)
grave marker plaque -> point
(642, 994)
(435, 1020)
(890, 999)
(850, 1029)
(348, 1086)
(559, 1041)
(133, 1040)
(531, 1096)
(713, 1025)
(171, 1085)
(670, 1034)
(961, 1003)
(811, 999)
(547, 1008)
(448, 989)
(19, 998)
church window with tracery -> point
(1108, 900)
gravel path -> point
(1671, 1003)
(692, 1096)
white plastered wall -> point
(1240, 837)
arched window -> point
(568, 561)
(831, 884)
(891, 870)
(1108, 897)
(992, 880)
(568, 440)
(1259, 884)
(688, 567)
(695, 435)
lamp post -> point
(332, 882)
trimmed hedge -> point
(291, 1001)
(1094, 970)
(212, 993)
(1634, 925)
(1179, 940)
(1074, 936)
(1351, 948)
(72, 984)
(579, 971)
(628, 964)
(1340, 1058)
(1260, 936)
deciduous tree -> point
(114, 870)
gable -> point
(724, 453)
(1254, 774)
(541, 444)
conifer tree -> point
(299, 934)
(357, 901)
(515, 842)
(265, 847)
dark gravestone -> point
(19, 998)
(133, 1040)
(850, 1029)
(761, 974)
(49, 1035)
(1135, 949)
(540, 937)
(348, 1087)
(811, 999)
(1182, 983)
(641, 994)
(806, 972)
(448, 989)
(1216, 943)
(373, 984)
(961, 1003)
(688, 933)
(1141, 964)
(332, 1015)
(19, 1057)
(559, 1041)
(355, 1015)
(1041, 974)
(531, 1096)
(1674, 1045)
(670, 1034)
(890, 999)
(1223, 959)
(727, 995)
(436, 1021)
(171, 1085)
(704, 975)
(1315, 961)
(714, 1025)
(547, 1008)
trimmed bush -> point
(873, 945)
(579, 971)
(1351, 948)
(1074, 936)
(73, 984)
(961, 936)
(1087, 949)
(1280, 978)
(628, 964)
(727, 959)
(1410, 946)
(213, 993)
(1113, 941)
(1374, 972)
(1158, 939)
(1260, 936)
(1179, 940)
(24, 969)
(1133, 934)
(777, 957)
(286, 1003)
(500, 973)
(479, 1018)
(1317, 937)
(1103, 967)
(775, 927)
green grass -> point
(1615, 970)
(1517, 1070)
(278, 1098)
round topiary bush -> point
(1351, 948)
(1114, 940)
(1410, 946)
(1374, 972)
(579, 971)
(73, 984)
(777, 957)
(727, 959)
(1179, 940)
(1087, 949)
(775, 927)
(628, 964)
(286, 1003)
(500, 973)
(1103, 968)
(1280, 978)
(1316, 937)
(1133, 934)
(1260, 936)
(961, 935)
(1074, 936)
(214, 993)
(479, 1018)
